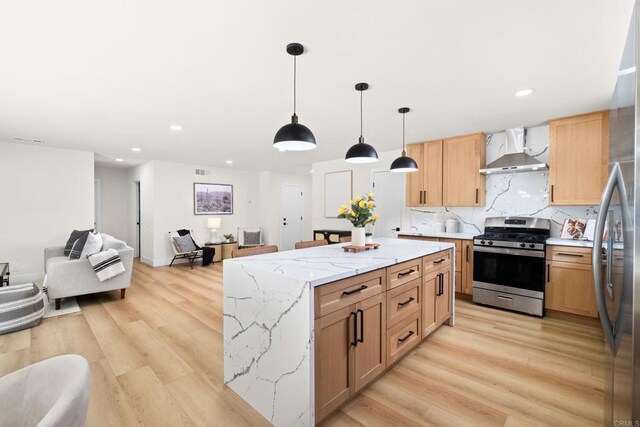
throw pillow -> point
(110, 242)
(251, 238)
(75, 235)
(185, 243)
(78, 246)
(93, 245)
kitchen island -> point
(275, 304)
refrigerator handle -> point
(615, 180)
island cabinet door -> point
(370, 354)
(443, 296)
(335, 340)
(430, 287)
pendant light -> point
(294, 136)
(404, 163)
(361, 152)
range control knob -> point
(490, 242)
(482, 242)
(522, 245)
(532, 246)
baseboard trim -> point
(147, 261)
(16, 279)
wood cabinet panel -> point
(429, 289)
(415, 180)
(436, 261)
(462, 183)
(467, 267)
(432, 162)
(336, 295)
(578, 159)
(334, 362)
(443, 298)
(370, 355)
(403, 301)
(404, 272)
(402, 338)
(570, 288)
(569, 254)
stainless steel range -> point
(509, 264)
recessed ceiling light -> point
(311, 171)
(119, 160)
(136, 149)
(19, 138)
(229, 162)
(524, 92)
(175, 128)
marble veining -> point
(513, 194)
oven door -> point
(516, 271)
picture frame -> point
(212, 199)
(574, 229)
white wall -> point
(114, 189)
(46, 193)
(144, 174)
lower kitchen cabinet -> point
(570, 288)
(403, 337)
(467, 267)
(429, 290)
(370, 355)
(443, 297)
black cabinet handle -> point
(477, 193)
(440, 261)
(548, 272)
(406, 337)
(552, 192)
(355, 291)
(354, 343)
(440, 284)
(406, 302)
(467, 253)
(361, 313)
(404, 273)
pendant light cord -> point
(294, 85)
(361, 114)
(403, 146)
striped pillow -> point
(106, 264)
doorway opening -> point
(291, 208)
(389, 189)
(137, 234)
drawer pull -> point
(406, 337)
(571, 254)
(354, 343)
(355, 291)
(361, 313)
(440, 261)
(404, 273)
(505, 298)
(406, 302)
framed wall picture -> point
(338, 190)
(212, 199)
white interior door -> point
(389, 189)
(97, 200)
(291, 206)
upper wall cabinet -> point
(447, 172)
(462, 183)
(578, 159)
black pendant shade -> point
(361, 152)
(294, 136)
(404, 163)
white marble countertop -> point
(323, 264)
(463, 236)
(556, 241)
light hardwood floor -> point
(156, 359)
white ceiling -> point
(107, 76)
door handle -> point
(404, 273)
(406, 337)
(354, 343)
(440, 261)
(361, 313)
(420, 193)
(505, 298)
(615, 180)
(548, 272)
(403, 303)
(552, 192)
(571, 254)
(355, 291)
(477, 194)
(467, 253)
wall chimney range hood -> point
(514, 159)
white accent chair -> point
(51, 393)
(241, 240)
(66, 277)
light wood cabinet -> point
(569, 282)
(424, 187)
(467, 267)
(462, 183)
(415, 180)
(443, 297)
(429, 290)
(369, 351)
(578, 159)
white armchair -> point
(66, 277)
(51, 393)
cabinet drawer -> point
(569, 254)
(336, 295)
(458, 244)
(403, 301)
(404, 272)
(402, 338)
(436, 261)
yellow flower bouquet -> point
(359, 211)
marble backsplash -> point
(514, 194)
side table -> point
(217, 256)
(228, 248)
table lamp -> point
(214, 225)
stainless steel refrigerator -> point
(616, 268)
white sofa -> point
(66, 277)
